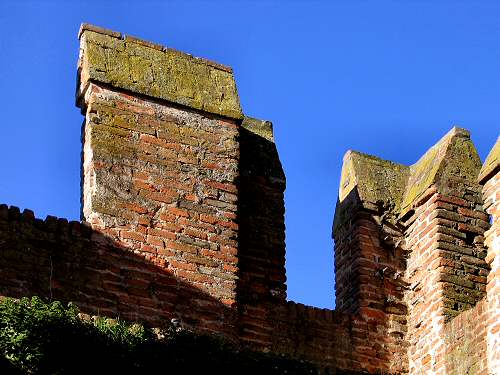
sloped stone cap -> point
(258, 152)
(370, 182)
(374, 183)
(454, 155)
(146, 68)
(492, 163)
(378, 181)
(262, 128)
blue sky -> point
(383, 77)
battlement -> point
(142, 67)
(399, 188)
(410, 249)
(183, 218)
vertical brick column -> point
(490, 178)
(446, 270)
(261, 284)
(410, 254)
(370, 261)
(160, 164)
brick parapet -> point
(261, 251)
(424, 223)
(183, 209)
(149, 185)
(309, 333)
(131, 64)
(370, 265)
(466, 344)
(71, 262)
(446, 275)
(491, 194)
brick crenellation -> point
(182, 218)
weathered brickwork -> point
(183, 218)
(446, 269)
(423, 228)
(150, 185)
(73, 262)
(490, 178)
(261, 253)
(466, 347)
(369, 260)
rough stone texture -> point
(377, 184)
(492, 162)
(421, 227)
(453, 156)
(145, 68)
(183, 217)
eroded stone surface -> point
(183, 208)
(492, 163)
(138, 66)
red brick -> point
(178, 211)
(133, 236)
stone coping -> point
(142, 67)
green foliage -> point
(50, 338)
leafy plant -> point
(49, 338)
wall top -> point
(150, 69)
(452, 155)
(380, 184)
(371, 182)
(262, 128)
(492, 163)
(378, 181)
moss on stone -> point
(262, 128)
(492, 163)
(454, 155)
(164, 74)
(377, 183)
(371, 182)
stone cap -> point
(258, 154)
(453, 155)
(375, 183)
(262, 128)
(378, 181)
(371, 182)
(132, 64)
(492, 163)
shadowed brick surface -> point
(183, 217)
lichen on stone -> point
(164, 74)
(492, 162)
(379, 184)
(262, 128)
(453, 156)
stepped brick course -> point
(183, 218)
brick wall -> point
(321, 335)
(372, 271)
(149, 186)
(183, 217)
(70, 261)
(466, 346)
(490, 178)
(261, 252)
(446, 269)
(447, 276)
